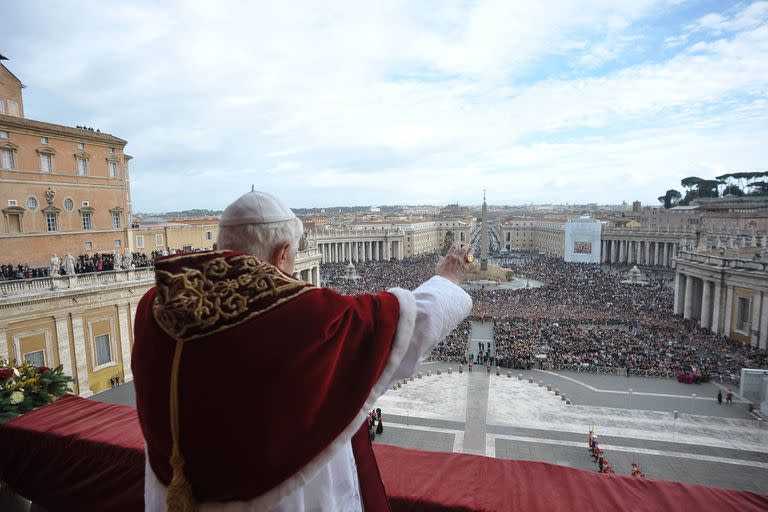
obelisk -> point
(484, 239)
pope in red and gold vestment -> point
(256, 383)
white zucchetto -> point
(256, 207)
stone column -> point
(62, 343)
(317, 277)
(647, 253)
(680, 282)
(656, 253)
(375, 251)
(706, 304)
(763, 339)
(622, 251)
(716, 306)
(728, 311)
(123, 318)
(603, 245)
(754, 320)
(78, 334)
(666, 255)
(387, 249)
(4, 343)
(688, 306)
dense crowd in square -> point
(585, 315)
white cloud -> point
(402, 101)
(746, 18)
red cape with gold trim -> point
(273, 375)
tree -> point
(758, 188)
(733, 190)
(670, 198)
(708, 188)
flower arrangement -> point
(24, 387)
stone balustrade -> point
(21, 287)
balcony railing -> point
(46, 284)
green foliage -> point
(25, 387)
(733, 183)
(670, 198)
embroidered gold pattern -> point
(219, 294)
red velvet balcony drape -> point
(82, 455)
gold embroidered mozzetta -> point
(203, 293)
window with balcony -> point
(139, 241)
(159, 240)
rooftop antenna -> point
(483, 195)
(253, 188)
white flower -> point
(17, 397)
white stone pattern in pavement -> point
(516, 403)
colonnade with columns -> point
(360, 250)
(725, 296)
(657, 253)
(310, 275)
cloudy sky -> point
(342, 103)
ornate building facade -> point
(83, 322)
(725, 294)
(62, 189)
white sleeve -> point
(427, 315)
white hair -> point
(261, 240)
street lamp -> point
(693, 397)
(630, 399)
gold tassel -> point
(179, 496)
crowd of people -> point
(583, 315)
(82, 264)
(22, 271)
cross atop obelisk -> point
(484, 238)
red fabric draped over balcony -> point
(77, 454)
